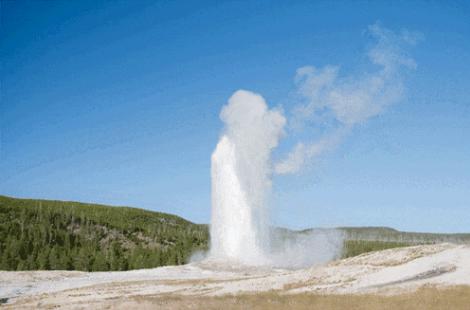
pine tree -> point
(100, 263)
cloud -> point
(345, 101)
(302, 154)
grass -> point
(429, 298)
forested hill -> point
(62, 235)
(46, 234)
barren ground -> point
(426, 276)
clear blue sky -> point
(117, 102)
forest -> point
(46, 235)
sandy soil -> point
(389, 272)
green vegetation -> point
(367, 239)
(387, 234)
(44, 234)
(356, 247)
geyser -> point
(241, 179)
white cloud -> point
(302, 153)
(349, 100)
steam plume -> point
(241, 178)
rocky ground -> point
(389, 272)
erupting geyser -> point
(241, 169)
(241, 181)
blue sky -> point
(118, 102)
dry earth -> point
(422, 270)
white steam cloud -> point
(241, 178)
(242, 167)
(349, 100)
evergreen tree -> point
(100, 263)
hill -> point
(64, 235)
(46, 234)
